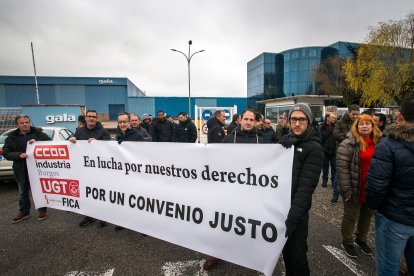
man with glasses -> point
(93, 130)
(124, 133)
(307, 165)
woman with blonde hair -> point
(352, 163)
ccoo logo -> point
(51, 152)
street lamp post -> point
(188, 58)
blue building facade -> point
(108, 96)
(289, 73)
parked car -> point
(55, 133)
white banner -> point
(226, 200)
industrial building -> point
(289, 73)
(107, 95)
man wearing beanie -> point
(307, 165)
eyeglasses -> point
(365, 124)
(123, 122)
(301, 120)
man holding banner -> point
(93, 130)
(245, 133)
(15, 150)
(307, 165)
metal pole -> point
(189, 80)
(188, 58)
(34, 67)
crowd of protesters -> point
(370, 157)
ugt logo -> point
(51, 152)
(56, 186)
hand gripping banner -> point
(229, 201)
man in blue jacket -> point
(390, 191)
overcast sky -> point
(133, 38)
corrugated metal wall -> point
(98, 97)
(173, 105)
(70, 94)
(141, 105)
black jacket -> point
(164, 131)
(215, 131)
(342, 127)
(143, 131)
(150, 129)
(327, 138)
(186, 132)
(98, 132)
(390, 179)
(269, 136)
(239, 136)
(15, 144)
(131, 134)
(232, 126)
(307, 165)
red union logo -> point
(51, 152)
(57, 186)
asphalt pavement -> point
(58, 246)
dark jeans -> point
(329, 160)
(296, 248)
(24, 198)
(335, 190)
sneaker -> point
(349, 250)
(334, 201)
(324, 184)
(86, 221)
(102, 223)
(42, 215)
(20, 217)
(364, 247)
(211, 263)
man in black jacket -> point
(185, 131)
(307, 164)
(126, 133)
(215, 132)
(93, 130)
(14, 149)
(329, 148)
(164, 130)
(245, 133)
(234, 123)
(268, 133)
(390, 191)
